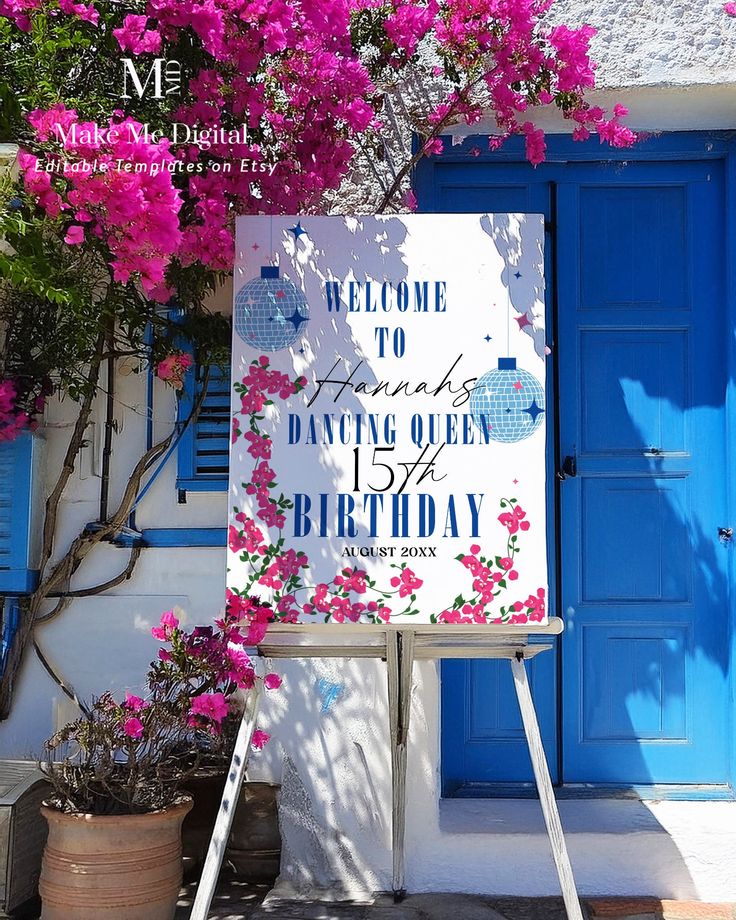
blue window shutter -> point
(16, 514)
(203, 454)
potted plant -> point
(119, 775)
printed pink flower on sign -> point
(260, 445)
(407, 582)
(514, 520)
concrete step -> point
(655, 909)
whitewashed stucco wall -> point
(674, 64)
(657, 42)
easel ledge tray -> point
(440, 640)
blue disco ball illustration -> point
(270, 311)
(507, 402)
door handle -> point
(569, 468)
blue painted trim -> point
(18, 581)
(200, 484)
(730, 409)
(561, 148)
(175, 537)
(10, 622)
(185, 454)
(18, 461)
(572, 792)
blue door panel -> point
(642, 367)
(482, 735)
(630, 239)
(632, 545)
(619, 372)
(636, 299)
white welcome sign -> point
(404, 480)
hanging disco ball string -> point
(270, 310)
(507, 402)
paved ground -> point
(238, 901)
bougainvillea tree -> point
(144, 126)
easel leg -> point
(544, 787)
(226, 813)
(400, 661)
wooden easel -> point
(399, 646)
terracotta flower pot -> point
(120, 867)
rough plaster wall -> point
(657, 42)
(335, 809)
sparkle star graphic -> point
(508, 411)
(517, 274)
(515, 482)
(296, 319)
(297, 230)
(488, 338)
(523, 320)
(255, 247)
(518, 385)
(533, 410)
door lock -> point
(569, 468)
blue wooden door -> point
(638, 692)
(642, 377)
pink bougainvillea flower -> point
(730, 8)
(410, 200)
(133, 36)
(260, 739)
(133, 728)
(536, 147)
(212, 706)
(74, 235)
(173, 368)
(168, 624)
(134, 703)
(272, 681)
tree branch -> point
(97, 589)
(57, 582)
(72, 451)
(434, 133)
